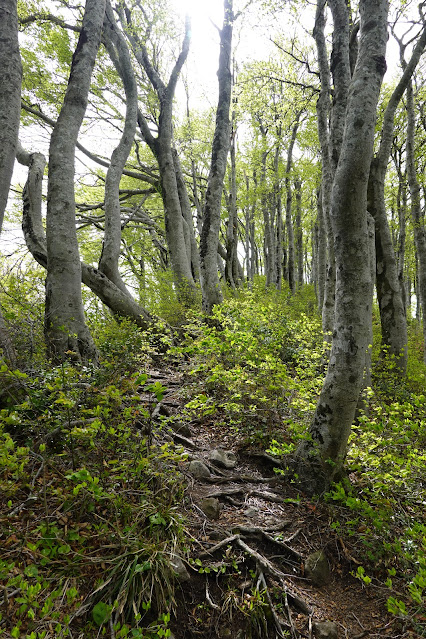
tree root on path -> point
(266, 567)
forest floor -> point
(117, 520)
(263, 533)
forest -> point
(212, 335)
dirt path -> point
(251, 538)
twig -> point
(222, 543)
(226, 493)
(277, 499)
(209, 600)
(275, 617)
(287, 607)
(268, 568)
(283, 545)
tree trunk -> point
(185, 204)
(416, 212)
(121, 304)
(326, 291)
(278, 216)
(288, 215)
(320, 459)
(209, 240)
(232, 225)
(119, 54)
(10, 112)
(177, 232)
(299, 232)
(321, 254)
(392, 310)
(65, 327)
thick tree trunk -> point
(209, 240)
(10, 112)
(65, 327)
(10, 96)
(322, 457)
(416, 212)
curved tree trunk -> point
(321, 458)
(10, 112)
(121, 304)
(209, 240)
(119, 54)
(392, 309)
(177, 221)
(65, 327)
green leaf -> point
(31, 571)
(101, 613)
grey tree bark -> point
(288, 214)
(299, 232)
(231, 268)
(113, 297)
(417, 215)
(327, 282)
(65, 328)
(178, 234)
(10, 111)
(319, 459)
(119, 54)
(392, 309)
(209, 239)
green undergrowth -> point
(89, 527)
(257, 368)
(256, 365)
(92, 492)
(381, 507)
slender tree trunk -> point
(191, 242)
(321, 251)
(10, 112)
(209, 240)
(326, 292)
(299, 232)
(392, 310)
(322, 457)
(402, 233)
(268, 241)
(65, 327)
(278, 216)
(288, 215)
(232, 225)
(178, 234)
(111, 248)
(416, 212)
